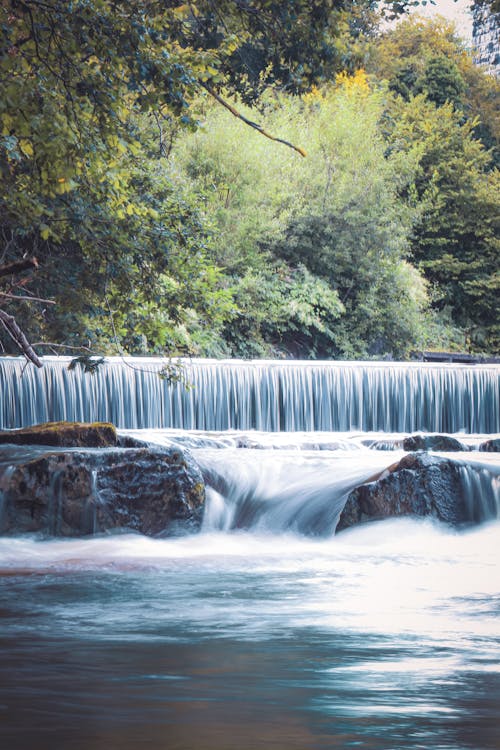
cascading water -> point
(270, 396)
(298, 482)
(307, 495)
(264, 630)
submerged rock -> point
(444, 443)
(63, 434)
(418, 485)
(78, 492)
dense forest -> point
(245, 179)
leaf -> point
(87, 362)
(26, 147)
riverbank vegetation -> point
(162, 222)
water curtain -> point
(262, 395)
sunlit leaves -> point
(313, 246)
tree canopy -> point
(152, 233)
(82, 191)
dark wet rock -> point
(418, 485)
(79, 492)
(127, 441)
(63, 434)
(491, 446)
(444, 443)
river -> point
(387, 636)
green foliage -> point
(85, 191)
(87, 362)
(152, 237)
(445, 115)
(455, 241)
(442, 82)
(282, 312)
(421, 56)
(332, 228)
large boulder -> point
(444, 443)
(418, 485)
(77, 492)
(63, 434)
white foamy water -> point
(394, 576)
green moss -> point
(64, 434)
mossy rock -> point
(64, 435)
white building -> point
(486, 38)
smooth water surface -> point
(384, 637)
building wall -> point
(486, 38)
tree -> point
(333, 223)
(421, 56)
(77, 79)
(455, 241)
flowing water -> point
(260, 395)
(386, 636)
(265, 630)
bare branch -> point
(52, 345)
(18, 266)
(16, 334)
(27, 297)
(253, 125)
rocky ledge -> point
(63, 434)
(75, 492)
(445, 443)
(490, 446)
(420, 484)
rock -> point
(72, 493)
(444, 443)
(127, 441)
(419, 485)
(63, 434)
(491, 446)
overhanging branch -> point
(26, 264)
(252, 124)
(16, 334)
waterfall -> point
(286, 491)
(262, 395)
(481, 490)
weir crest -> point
(262, 395)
